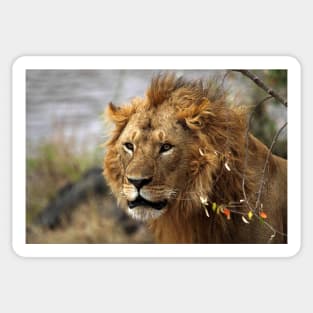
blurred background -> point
(68, 200)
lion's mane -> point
(226, 167)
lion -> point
(181, 160)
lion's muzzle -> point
(145, 198)
(145, 201)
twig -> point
(272, 94)
(275, 231)
(262, 85)
(247, 149)
(269, 152)
(224, 78)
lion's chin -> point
(143, 213)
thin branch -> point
(247, 149)
(224, 78)
(269, 152)
(272, 94)
(275, 231)
(262, 85)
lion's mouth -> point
(139, 201)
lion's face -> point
(176, 152)
(154, 162)
(159, 153)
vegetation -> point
(55, 164)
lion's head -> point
(163, 149)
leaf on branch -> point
(201, 152)
(204, 200)
(227, 166)
(245, 220)
(250, 215)
(226, 212)
(214, 206)
(263, 214)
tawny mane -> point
(226, 166)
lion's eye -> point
(129, 146)
(165, 147)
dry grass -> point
(55, 164)
(87, 225)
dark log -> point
(70, 196)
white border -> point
(155, 250)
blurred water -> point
(71, 102)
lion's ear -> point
(196, 116)
(119, 115)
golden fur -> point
(190, 145)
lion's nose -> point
(138, 183)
